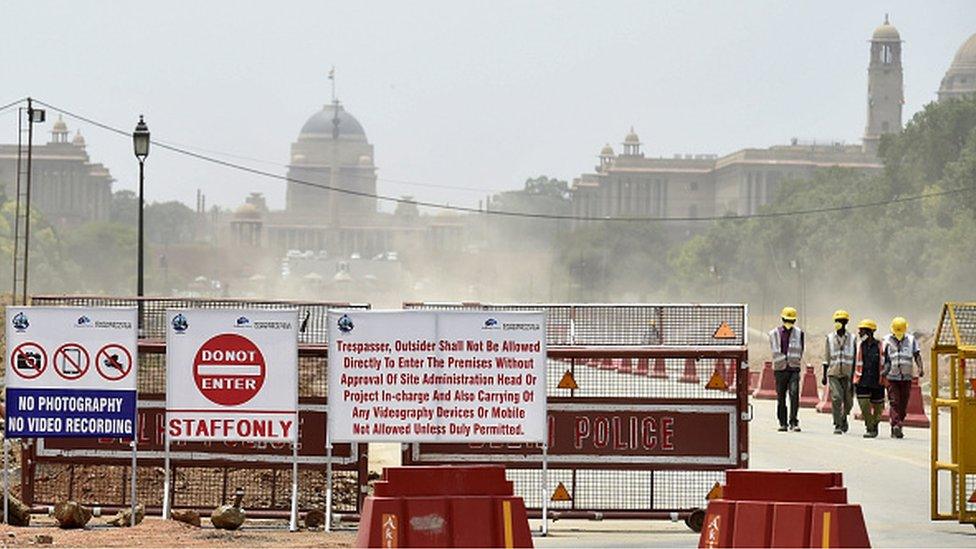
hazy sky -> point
(477, 95)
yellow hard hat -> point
(899, 326)
(869, 324)
(788, 313)
(841, 314)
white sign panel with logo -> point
(232, 375)
(71, 372)
(437, 376)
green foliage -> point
(541, 195)
(905, 257)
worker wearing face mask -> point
(786, 344)
(902, 354)
(838, 367)
(868, 381)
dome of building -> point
(320, 124)
(886, 32)
(607, 150)
(960, 79)
(247, 212)
(78, 140)
(59, 126)
(632, 138)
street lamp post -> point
(140, 144)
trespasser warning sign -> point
(232, 375)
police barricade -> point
(645, 411)
(204, 475)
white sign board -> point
(71, 372)
(232, 374)
(437, 376)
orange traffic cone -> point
(660, 369)
(767, 383)
(808, 389)
(690, 374)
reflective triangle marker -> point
(567, 381)
(561, 493)
(724, 331)
(717, 382)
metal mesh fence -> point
(653, 325)
(965, 324)
(615, 490)
(670, 378)
(193, 486)
(625, 380)
(312, 316)
(266, 487)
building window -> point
(887, 55)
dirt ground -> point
(154, 532)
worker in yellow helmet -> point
(868, 381)
(838, 367)
(786, 343)
(901, 355)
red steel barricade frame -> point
(634, 431)
(204, 474)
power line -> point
(13, 104)
(504, 213)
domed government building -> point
(704, 185)
(330, 202)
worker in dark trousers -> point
(902, 354)
(838, 367)
(868, 381)
(786, 344)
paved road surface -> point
(888, 477)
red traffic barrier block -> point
(838, 526)
(643, 367)
(444, 506)
(767, 383)
(753, 380)
(607, 364)
(808, 389)
(783, 509)
(790, 524)
(690, 374)
(660, 370)
(625, 366)
(788, 486)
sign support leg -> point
(6, 479)
(132, 489)
(545, 488)
(293, 526)
(328, 483)
(166, 502)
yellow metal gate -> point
(954, 389)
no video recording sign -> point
(71, 372)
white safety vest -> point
(841, 352)
(900, 358)
(792, 357)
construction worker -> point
(901, 354)
(868, 381)
(838, 367)
(786, 343)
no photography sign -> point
(71, 372)
(232, 375)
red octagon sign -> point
(229, 369)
